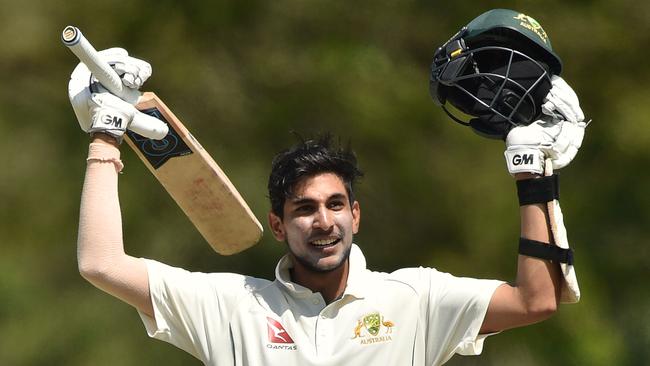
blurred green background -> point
(242, 75)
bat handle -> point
(86, 53)
(73, 38)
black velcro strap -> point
(538, 190)
(537, 249)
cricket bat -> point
(179, 162)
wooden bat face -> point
(196, 182)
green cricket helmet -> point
(496, 70)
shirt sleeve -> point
(453, 309)
(191, 309)
(457, 308)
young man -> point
(324, 307)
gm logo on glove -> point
(114, 121)
(523, 159)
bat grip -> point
(79, 45)
(73, 38)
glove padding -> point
(110, 114)
(97, 110)
(561, 102)
(528, 146)
(557, 135)
(133, 72)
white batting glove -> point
(561, 102)
(109, 114)
(134, 72)
(528, 146)
(96, 109)
(557, 135)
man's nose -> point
(323, 219)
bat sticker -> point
(158, 152)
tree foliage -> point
(243, 75)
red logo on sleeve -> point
(276, 332)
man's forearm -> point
(100, 221)
(100, 249)
(538, 280)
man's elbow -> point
(94, 271)
(88, 272)
(542, 310)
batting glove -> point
(557, 135)
(96, 109)
(561, 102)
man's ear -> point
(356, 217)
(277, 227)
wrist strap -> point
(105, 153)
(538, 190)
(538, 249)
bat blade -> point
(195, 181)
(179, 162)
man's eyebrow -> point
(338, 196)
(304, 200)
(301, 200)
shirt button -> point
(315, 301)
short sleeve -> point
(191, 309)
(453, 310)
(457, 309)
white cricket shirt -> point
(413, 316)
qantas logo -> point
(278, 336)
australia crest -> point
(373, 328)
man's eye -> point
(337, 205)
(303, 209)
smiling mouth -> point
(322, 243)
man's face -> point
(318, 223)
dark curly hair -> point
(306, 159)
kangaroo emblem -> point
(357, 329)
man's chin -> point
(324, 265)
(326, 268)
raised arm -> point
(535, 294)
(531, 152)
(100, 250)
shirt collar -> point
(355, 283)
